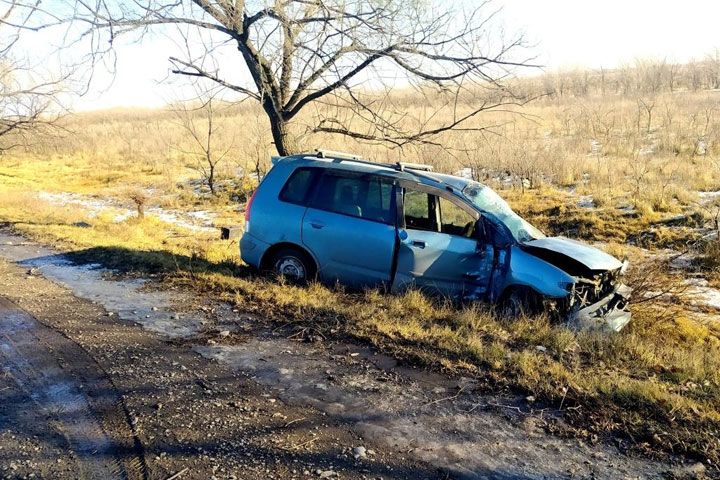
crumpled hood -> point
(591, 257)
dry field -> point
(635, 173)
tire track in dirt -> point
(55, 375)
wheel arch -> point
(267, 256)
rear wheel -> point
(293, 264)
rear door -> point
(438, 251)
(350, 228)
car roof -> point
(439, 180)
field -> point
(635, 174)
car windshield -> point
(488, 201)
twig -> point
(511, 407)
(472, 409)
(294, 421)
(177, 475)
(563, 399)
(453, 397)
(306, 443)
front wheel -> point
(293, 264)
(518, 302)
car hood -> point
(590, 257)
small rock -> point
(110, 314)
(530, 399)
(438, 390)
(154, 309)
(225, 333)
(359, 452)
(540, 348)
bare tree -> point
(29, 100)
(201, 123)
(645, 109)
(712, 66)
(346, 55)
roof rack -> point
(339, 155)
(413, 166)
(401, 166)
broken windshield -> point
(488, 201)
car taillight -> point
(247, 211)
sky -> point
(562, 34)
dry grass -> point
(657, 384)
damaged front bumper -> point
(608, 314)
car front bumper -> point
(608, 314)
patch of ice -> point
(709, 196)
(154, 310)
(586, 201)
(702, 293)
(198, 221)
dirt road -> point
(109, 377)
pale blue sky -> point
(566, 33)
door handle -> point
(317, 225)
(418, 243)
(470, 276)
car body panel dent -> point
(591, 257)
(530, 271)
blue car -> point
(333, 217)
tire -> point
(518, 302)
(293, 264)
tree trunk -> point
(211, 175)
(285, 143)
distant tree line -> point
(642, 77)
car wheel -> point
(293, 264)
(518, 302)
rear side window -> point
(298, 187)
(366, 197)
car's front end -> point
(580, 283)
(596, 298)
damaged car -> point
(333, 217)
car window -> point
(454, 220)
(419, 214)
(366, 197)
(297, 188)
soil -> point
(158, 383)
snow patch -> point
(198, 221)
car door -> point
(350, 228)
(438, 249)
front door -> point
(350, 228)
(438, 250)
